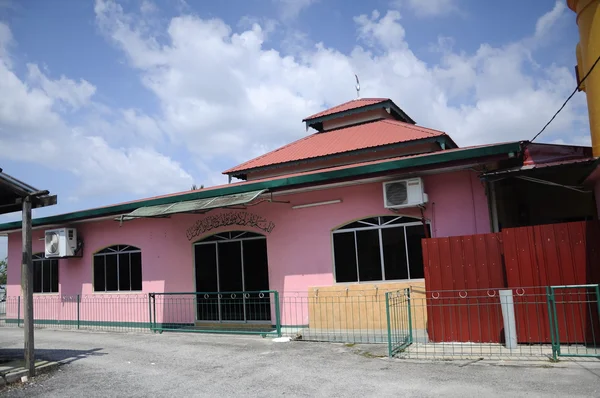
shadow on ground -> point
(14, 355)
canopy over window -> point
(196, 205)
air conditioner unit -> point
(61, 242)
(404, 193)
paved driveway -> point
(186, 365)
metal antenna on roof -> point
(357, 87)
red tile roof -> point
(362, 136)
(346, 106)
(110, 210)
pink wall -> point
(299, 247)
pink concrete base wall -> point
(299, 246)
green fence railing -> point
(236, 312)
(399, 320)
(574, 317)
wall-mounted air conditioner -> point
(61, 242)
(403, 193)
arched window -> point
(45, 274)
(118, 268)
(379, 249)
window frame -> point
(41, 257)
(379, 227)
(116, 250)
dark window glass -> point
(205, 260)
(54, 278)
(136, 271)
(353, 225)
(397, 220)
(344, 253)
(99, 279)
(394, 253)
(37, 276)
(256, 268)
(124, 272)
(369, 256)
(120, 269)
(230, 280)
(372, 220)
(256, 277)
(46, 273)
(414, 234)
(399, 244)
(112, 284)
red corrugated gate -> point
(463, 273)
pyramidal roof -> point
(346, 106)
(360, 124)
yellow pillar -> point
(588, 50)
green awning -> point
(189, 206)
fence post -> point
(550, 301)
(408, 301)
(78, 311)
(18, 311)
(149, 311)
(389, 326)
(277, 313)
(154, 310)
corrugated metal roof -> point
(346, 106)
(362, 136)
(194, 205)
(12, 189)
(537, 166)
(315, 177)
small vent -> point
(396, 194)
(52, 240)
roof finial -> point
(357, 87)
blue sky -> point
(106, 101)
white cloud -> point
(386, 31)
(70, 92)
(248, 98)
(428, 8)
(34, 128)
(290, 9)
(547, 21)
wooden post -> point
(27, 287)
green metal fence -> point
(574, 320)
(103, 312)
(352, 316)
(239, 312)
(516, 324)
(399, 320)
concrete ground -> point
(172, 364)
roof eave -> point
(441, 157)
(18, 190)
(318, 121)
(444, 139)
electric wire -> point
(567, 100)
